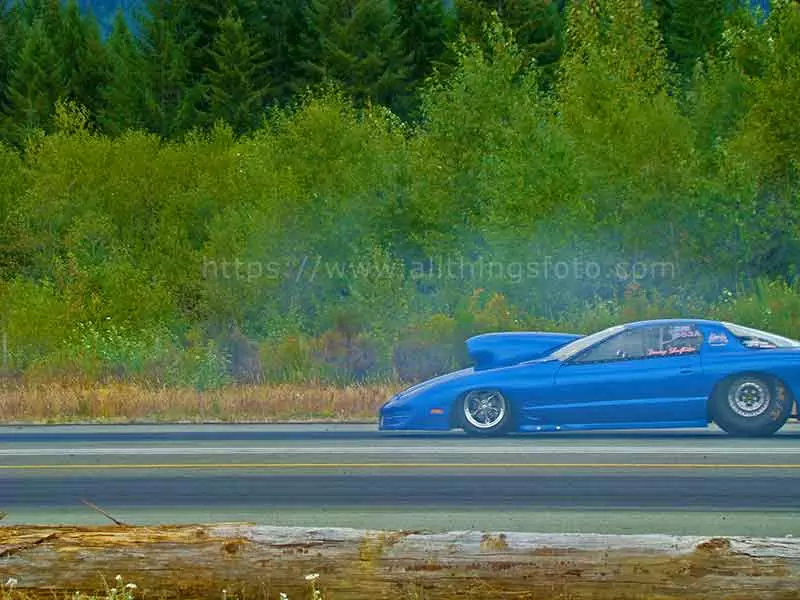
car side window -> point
(624, 346)
(645, 343)
(676, 340)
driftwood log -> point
(251, 562)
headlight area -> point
(405, 413)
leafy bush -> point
(36, 320)
(437, 344)
(431, 348)
(201, 366)
(346, 357)
(111, 351)
(287, 358)
(769, 305)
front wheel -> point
(751, 406)
(485, 412)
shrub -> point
(770, 305)
(202, 366)
(36, 320)
(344, 356)
(244, 356)
(287, 358)
(429, 349)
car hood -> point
(434, 381)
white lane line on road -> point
(399, 450)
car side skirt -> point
(628, 425)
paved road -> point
(671, 481)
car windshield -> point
(573, 348)
(755, 338)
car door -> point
(644, 375)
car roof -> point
(656, 322)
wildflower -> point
(283, 596)
(11, 583)
(312, 576)
(130, 586)
(118, 577)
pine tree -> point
(122, 95)
(199, 22)
(691, 28)
(84, 61)
(34, 85)
(357, 43)
(49, 12)
(536, 25)
(428, 29)
(105, 11)
(207, 17)
(283, 30)
(171, 95)
(237, 77)
(9, 27)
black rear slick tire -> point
(751, 405)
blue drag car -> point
(649, 374)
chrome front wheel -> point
(485, 412)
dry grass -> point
(60, 403)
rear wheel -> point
(751, 405)
(485, 412)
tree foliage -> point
(178, 211)
(428, 32)
(237, 76)
(357, 44)
(123, 95)
(171, 93)
(33, 84)
(83, 57)
(692, 28)
(536, 26)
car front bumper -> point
(397, 416)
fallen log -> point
(254, 561)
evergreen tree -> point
(171, 94)
(359, 44)
(283, 30)
(8, 44)
(237, 78)
(105, 11)
(428, 29)
(49, 12)
(34, 85)
(84, 61)
(691, 28)
(123, 99)
(199, 23)
(536, 25)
